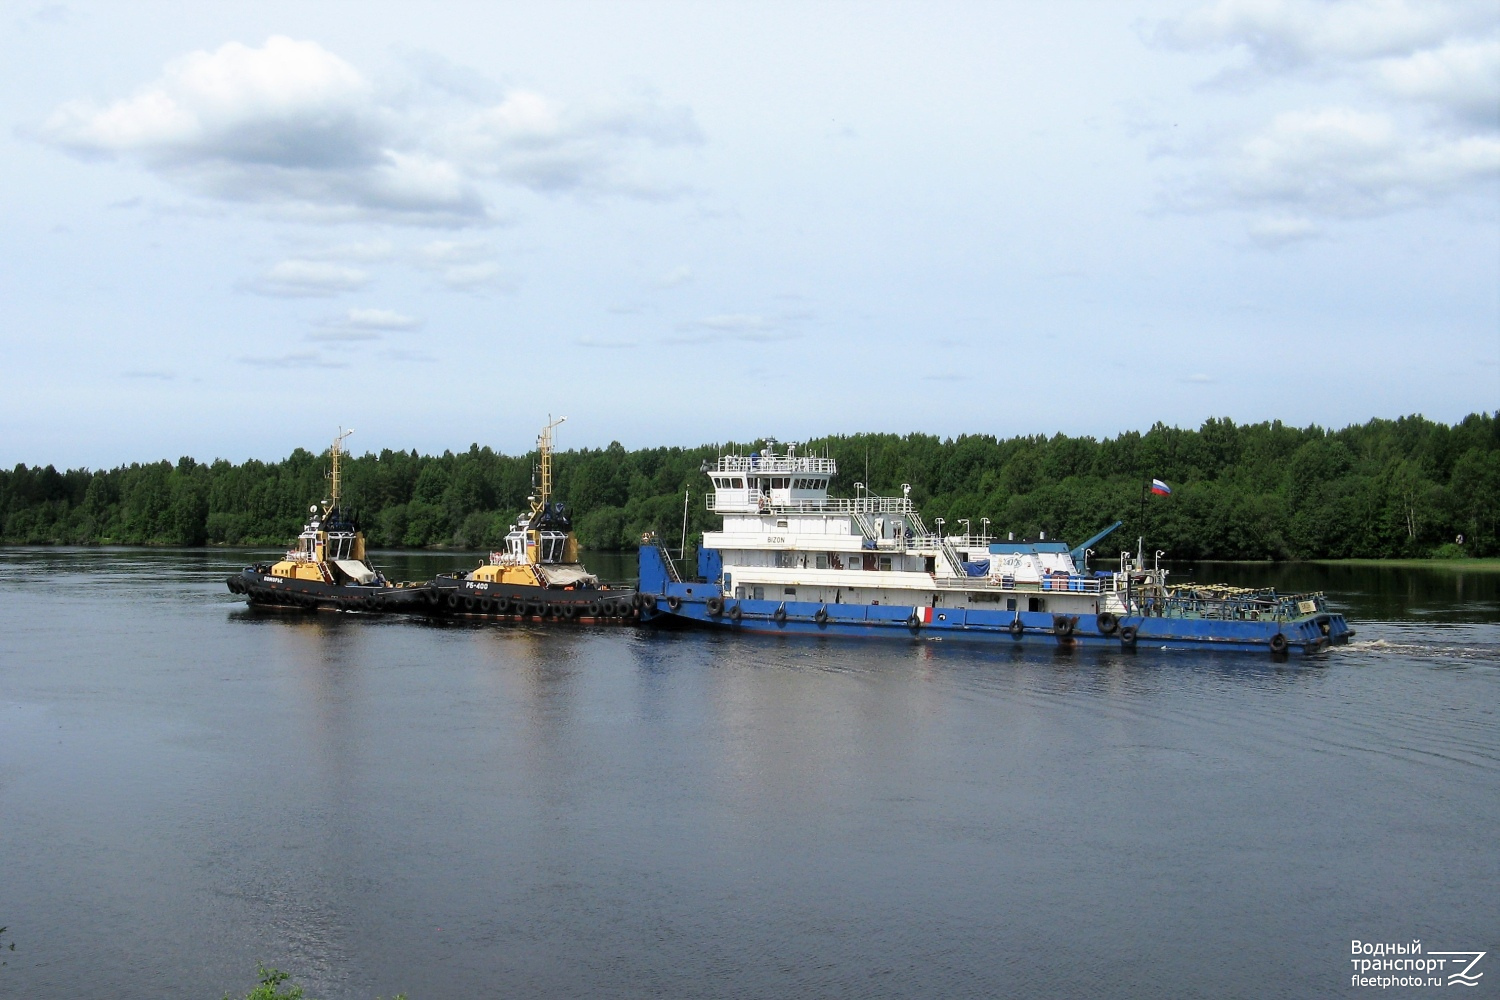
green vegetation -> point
(1386, 489)
(270, 987)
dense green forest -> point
(1387, 488)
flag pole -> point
(1143, 510)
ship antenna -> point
(334, 453)
(544, 447)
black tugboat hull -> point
(451, 597)
(262, 590)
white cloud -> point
(1422, 124)
(296, 359)
(747, 327)
(308, 279)
(440, 252)
(363, 325)
(677, 276)
(1461, 76)
(295, 128)
(465, 265)
(359, 251)
(539, 144)
(380, 319)
(1278, 35)
(606, 345)
(1337, 162)
(1280, 230)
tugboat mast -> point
(544, 446)
(335, 452)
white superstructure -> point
(784, 538)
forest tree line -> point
(1387, 488)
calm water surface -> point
(188, 787)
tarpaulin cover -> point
(979, 567)
(357, 571)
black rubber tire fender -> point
(1062, 625)
(452, 600)
(648, 601)
(1279, 643)
(1127, 635)
(821, 616)
(674, 603)
(734, 612)
(501, 604)
(779, 615)
(486, 605)
(569, 611)
(549, 610)
(1015, 627)
(1107, 623)
(714, 606)
(914, 620)
(594, 609)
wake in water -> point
(1479, 652)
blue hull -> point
(688, 604)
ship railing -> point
(1242, 607)
(1047, 585)
(826, 505)
(777, 464)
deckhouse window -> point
(739, 483)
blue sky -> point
(227, 229)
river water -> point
(189, 787)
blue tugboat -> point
(792, 559)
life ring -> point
(735, 612)
(1015, 627)
(569, 611)
(468, 603)
(821, 617)
(501, 604)
(714, 605)
(452, 600)
(1107, 623)
(1127, 635)
(1278, 643)
(595, 609)
(648, 601)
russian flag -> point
(1160, 488)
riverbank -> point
(1466, 565)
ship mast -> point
(335, 453)
(544, 446)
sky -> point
(229, 229)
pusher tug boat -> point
(537, 574)
(327, 567)
(792, 559)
